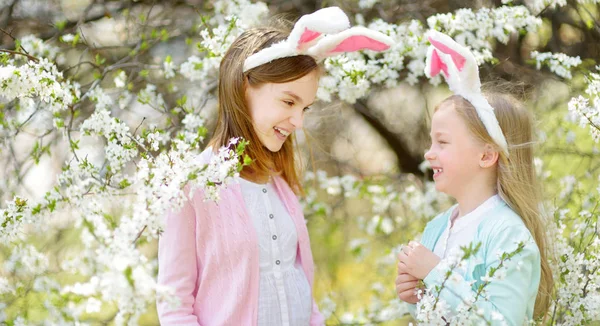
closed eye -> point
(307, 108)
(289, 103)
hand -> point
(406, 287)
(417, 260)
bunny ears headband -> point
(307, 38)
(462, 75)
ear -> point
(489, 156)
(351, 40)
(310, 27)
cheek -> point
(449, 160)
(261, 116)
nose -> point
(429, 155)
(297, 119)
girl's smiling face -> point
(454, 154)
(277, 109)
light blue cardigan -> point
(514, 295)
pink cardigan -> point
(209, 254)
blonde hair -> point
(517, 182)
(234, 117)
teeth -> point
(437, 170)
(283, 132)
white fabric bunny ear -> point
(307, 38)
(351, 40)
(461, 72)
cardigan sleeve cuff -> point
(434, 277)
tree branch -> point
(406, 161)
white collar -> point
(474, 216)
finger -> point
(402, 257)
(405, 277)
(402, 267)
(408, 296)
(404, 286)
(408, 293)
(413, 244)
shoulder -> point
(501, 219)
(504, 230)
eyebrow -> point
(438, 133)
(296, 97)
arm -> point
(507, 296)
(177, 268)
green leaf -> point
(164, 35)
(128, 275)
(247, 160)
(100, 60)
(60, 25)
(52, 205)
(75, 144)
(37, 209)
(75, 39)
(124, 183)
(181, 101)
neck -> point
(472, 199)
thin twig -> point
(30, 57)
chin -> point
(274, 147)
(440, 187)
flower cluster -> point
(559, 63)
(587, 110)
(350, 77)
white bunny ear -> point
(462, 75)
(307, 30)
(351, 40)
(310, 27)
(445, 44)
(306, 39)
(434, 63)
(448, 54)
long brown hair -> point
(517, 182)
(234, 117)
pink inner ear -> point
(359, 42)
(437, 64)
(308, 36)
(458, 59)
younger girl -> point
(481, 155)
(247, 259)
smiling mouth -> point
(437, 172)
(281, 132)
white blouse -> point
(284, 293)
(463, 231)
